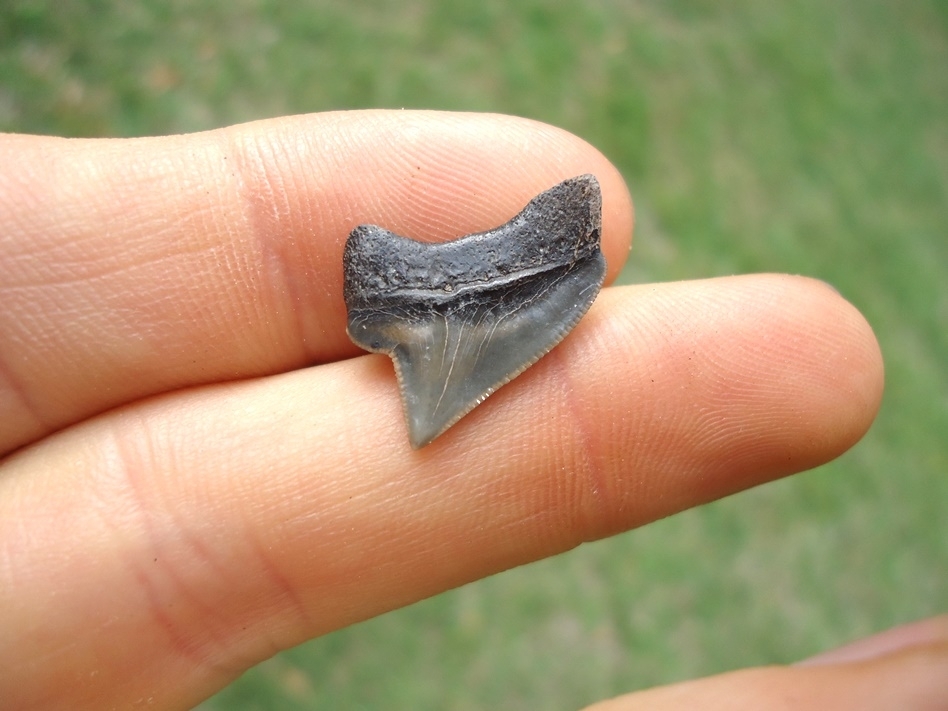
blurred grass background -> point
(805, 137)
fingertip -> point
(930, 632)
(430, 175)
(847, 355)
(719, 385)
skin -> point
(185, 487)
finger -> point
(215, 526)
(909, 677)
(129, 268)
(913, 634)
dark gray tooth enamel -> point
(462, 318)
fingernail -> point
(912, 634)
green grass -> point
(805, 137)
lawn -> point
(806, 137)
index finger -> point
(133, 267)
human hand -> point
(183, 496)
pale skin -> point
(200, 469)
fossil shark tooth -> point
(462, 318)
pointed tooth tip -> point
(421, 437)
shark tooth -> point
(462, 318)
